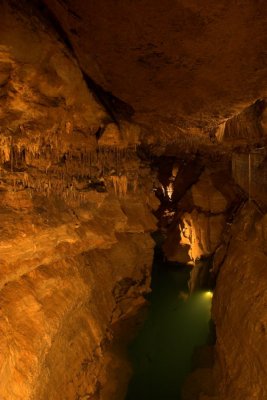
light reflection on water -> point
(176, 324)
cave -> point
(133, 200)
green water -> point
(161, 353)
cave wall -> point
(76, 216)
(76, 200)
(195, 222)
(239, 310)
(237, 369)
(62, 289)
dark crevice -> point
(66, 5)
(53, 21)
(115, 107)
(99, 132)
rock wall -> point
(245, 128)
(62, 288)
(249, 171)
(239, 314)
(75, 204)
(239, 311)
(238, 244)
(201, 216)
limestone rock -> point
(206, 197)
(111, 136)
(240, 301)
(201, 233)
(74, 260)
(196, 236)
(174, 63)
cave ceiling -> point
(179, 64)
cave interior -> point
(133, 141)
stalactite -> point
(54, 177)
(117, 161)
(123, 185)
(135, 185)
(25, 179)
(11, 156)
(120, 184)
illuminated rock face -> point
(202, 229)
(75, 250)
(76, 202)
(60, 297)
(201, 219)
(201, 233)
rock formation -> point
(103, 106)
(75, 248)
(175, 63)
(239, 310)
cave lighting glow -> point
(170, 191)
(208, 294)
(177, 322)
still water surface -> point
(162, 351)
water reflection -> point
(176, 324)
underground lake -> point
(176, 324)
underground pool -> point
(176, 324)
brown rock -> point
(206, 197)
(239, 313)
